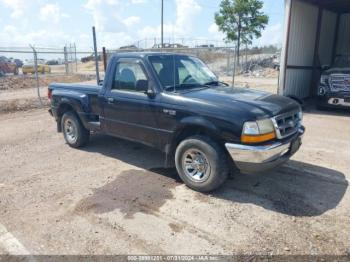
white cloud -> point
(131, 21)
(41, 37)
(186, 12)
(215, 33)
(94, 7)
(18, 7)
(51, 12)
(114, 40)
(110, 24)
(138, 1)
(106, 12)
(271, 35)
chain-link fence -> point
(43, 60)
(25, 72)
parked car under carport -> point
(316, 34)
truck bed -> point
(87, 94)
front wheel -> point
(75, 134)
(201, 163)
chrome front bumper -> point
(259, 158)
(338, 102)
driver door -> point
(129, 112)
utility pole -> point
(96, 56)
(161, 41)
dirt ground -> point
(113, 197)
(18, 93)
(11, 83)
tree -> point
(241, 21)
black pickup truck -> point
(176, 104)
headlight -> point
(251, 128)
(258, 131)
(324, 79)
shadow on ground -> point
(296, 188)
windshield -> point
(181, 72)
(342, 62)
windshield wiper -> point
(216, 83)
(185, 86)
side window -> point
(183, 74)
(129, 76)
(158, 67)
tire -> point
(75, 134)
(207, 160)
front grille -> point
(340, 82)
(287, 124)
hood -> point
(256, 104)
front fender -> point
(200, 122)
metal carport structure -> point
(316, 31)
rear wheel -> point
(75, 134)
(201, 163)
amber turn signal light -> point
(251, 139)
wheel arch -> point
(61, 110)
(188, 128)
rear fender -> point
(79, 102)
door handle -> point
(110, 100)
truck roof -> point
(144, 54)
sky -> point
(48, 23)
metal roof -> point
(341, 6)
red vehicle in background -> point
(6, 66)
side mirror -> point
(325, 67)
(143, 86)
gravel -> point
(114, 197)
